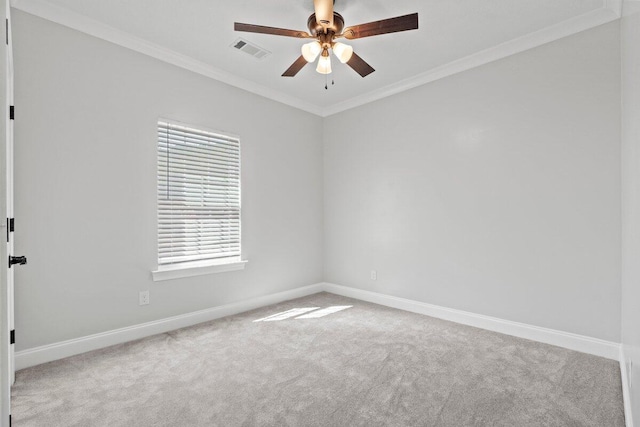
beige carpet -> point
(366, 365)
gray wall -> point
(630, 30)
(86, 185)
(495, 191)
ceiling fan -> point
(326, 26)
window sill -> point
(195, 269)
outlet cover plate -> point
(144, 298)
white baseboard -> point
(584, 344)
(60, 350)
(626, 391)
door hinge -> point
(9, 420)
(10, 227)
(12, 336)
(6, 31)
(12, 112)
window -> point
(198, 201)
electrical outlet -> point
(374, 275)
(144, 297)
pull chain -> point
(326, 82)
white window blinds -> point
(198, 195)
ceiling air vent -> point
(250, 48)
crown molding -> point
(67, 18)
(610, 11)
(614, 5)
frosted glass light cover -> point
(310, 51)
(324, 65)
(342, 51)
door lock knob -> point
(20, 260)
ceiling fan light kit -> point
(342, 51)
(324, 65)
(325, 26)
(310, 51)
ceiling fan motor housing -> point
(315, 28)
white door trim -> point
(7, 371)
(9, 188)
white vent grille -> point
(250, 49)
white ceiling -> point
(453, 35)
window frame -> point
(196, 267)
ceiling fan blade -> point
(359, 65)
(385, 26)
(295, 67)
(250, 28)
(324, 12)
